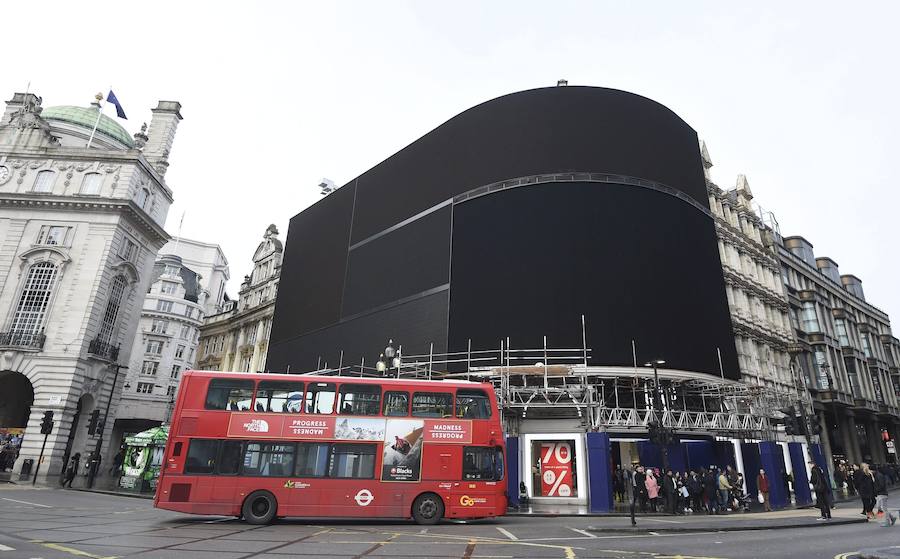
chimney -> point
(161, 134)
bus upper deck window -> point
(359, 399)
(279, 397)
(472, 404)
(320, 397)
(432, 404)
(229, 394)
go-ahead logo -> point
(364, 497)
(466, 501)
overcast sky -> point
(800, 97)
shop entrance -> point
(16, 399)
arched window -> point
(108, 326)
(91, 183)
(32, 307)
(143, 196)
(44, 181)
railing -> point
(103, 350)
(28, 340)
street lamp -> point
(660, 435)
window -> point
(279, 397)
(149, 368)
(472, 404)
(201, 456)
(251, 333)
(154, 347)
(359, 399)
(91, 183)
(44, 181)
(159, 326)
(35, 297)
(269, 459)
(53, 235)
(230, 394)
(866, 345)
(170, 391)
(396, 404)
(841, 330)
(481, 463)
(116, 290)
(144, 388)
(230, 457)
(179, 352)
(432, 404)
(352, 461)
(164, 306)
(143, 196)
(175, 371)
(312, 459)
(170, 270)
(808, 317)
(128, 250)
(189, 311)
(168, 287)
(185, 332)
(320, 397)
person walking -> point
(636, 489)
(670, 492)
(865, 485)
(710, 491)
(762, 483)
(881, 499)
(820, 485)
(72, 470)
(724, 489)
(652, 490)
(695, 492)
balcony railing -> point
(103, 350)
(27, 340)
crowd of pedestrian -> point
(712, 490)
(870, 483)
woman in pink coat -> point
(652, 489)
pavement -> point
(54, 523)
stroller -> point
(742, 501)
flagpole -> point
(178, 238)
(99, 99)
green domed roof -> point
(86, 117)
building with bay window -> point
(83, 205)
(237, 338)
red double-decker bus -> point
(261, 446)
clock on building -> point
(4, 174)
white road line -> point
(506, 533)
(653, 533)
(27, 503)
(582, 532)
(423, 531)
(6, 548)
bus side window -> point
(396, 404)
(279, 397)
(472, 404)
(230, 457)
(229, 394)
(201, 456)
(432, 404)
(320, 397)
(177, 450)
(478, 463)
(359, 399)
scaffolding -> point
(559, 383)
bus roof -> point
(331, 378)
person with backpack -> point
(819, 482)
(881, 499)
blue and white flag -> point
(111, 98)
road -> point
(62, 524)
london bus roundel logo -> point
(364, 497)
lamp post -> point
(659, 434)
(95, 458)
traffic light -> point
(93, 422)
(47, 423)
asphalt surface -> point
(62, 524)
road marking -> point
(653, 533)
(27, 503)
(582, 532)
(72, 550)
(6, 548)
(423, 531)
(507, 533)
(660, 520)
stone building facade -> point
(80, 227)
(756, 298)
(237, 339)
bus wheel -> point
(259, 507)
(428, 508)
